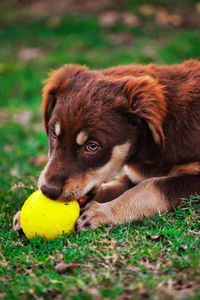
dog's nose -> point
(51, 192)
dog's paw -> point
(94, 215)
(16, 222)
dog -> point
(143, 118)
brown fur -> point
(154, 108)
(190, 169)
(146, 118)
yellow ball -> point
(48, 218)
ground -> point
(158, 258)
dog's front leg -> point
(113, 189)
(149, 197)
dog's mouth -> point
(87, 198)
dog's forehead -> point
(76, 123)
(81, 107)
(90, 85)
(86, 107)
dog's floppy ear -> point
(147, 101)
(57, 81)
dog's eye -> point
(91, 147)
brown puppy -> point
(143, 118)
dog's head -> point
(93, 122)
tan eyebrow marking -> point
(81, 138)
(57, 129)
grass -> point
(154, 259)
